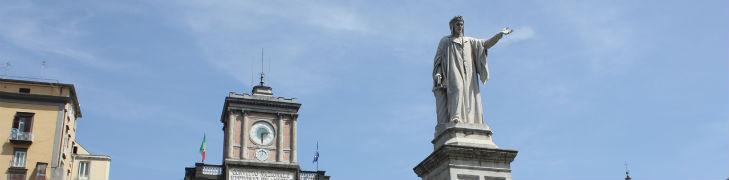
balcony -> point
(312, 175)
(212, 170)
(19, 164)
(204, 171)
(18, 136)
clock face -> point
(262, 133)
(261, 154)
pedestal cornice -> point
(455, 152)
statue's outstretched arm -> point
(495, 39)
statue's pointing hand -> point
(506, 31)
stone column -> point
(293, 139)
(243, 135)
(279, 140)
(229, 134)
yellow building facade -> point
(39, 119)
(90, 166)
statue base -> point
(465, 152)
(465, 134)
(454, 162)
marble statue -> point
(459, 64)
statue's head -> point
(456, 25)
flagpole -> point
(203, 148)
(317, 160)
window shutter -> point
(28, 123)
(15, 121)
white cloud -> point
(46, 30)
(128, 110)
(604, 30)
(228, 33)
(206, 16)
(523, 33)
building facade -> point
(39, 117)
(259, 140)
(90, 166)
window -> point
(23, 121)
(16, 176)
(19, 158)
(68, 145)
(494, 178)
(22, 125)
(467, 177)
(24, 90)
(40, 170)
(65, 144)
(83, 170)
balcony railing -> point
(17, 164)
(18, 135)
(212, 170)
(308, 175)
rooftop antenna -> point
(627, 172)
(269, 70)
(262, 89)
(6, 68)
(253, 63)
(262, 74)
(43, 69)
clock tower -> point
(259, 140)
(259, 135)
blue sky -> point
(579, 88)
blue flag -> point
(316, 157)
(316, 154)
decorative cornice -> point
(73, 98)
(293, 116)
(263, 102)
(486, 132)
(261, 97)
(455, 152)
(21, 170)
(92, 157)
(256, 103)
(34, 97)
(245, 163)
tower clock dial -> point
(261, 154)
(262, 133)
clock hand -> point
(261, 138)
(265, 134)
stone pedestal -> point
(465, 152)
(477, 135)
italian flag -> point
(202, 148)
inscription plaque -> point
(258, 174)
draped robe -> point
(461, 61)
